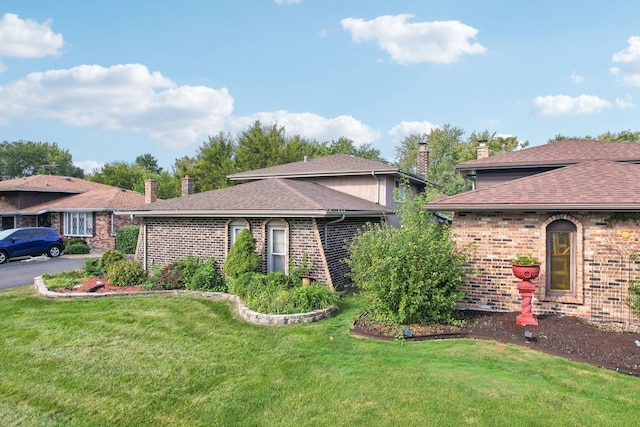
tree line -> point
(261, 146)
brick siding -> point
(605, 263)
(168, 239)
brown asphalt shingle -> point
(82, 194)
(596, 185)
(269, 195)
(566, 152)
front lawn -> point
(189, 361)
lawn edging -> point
(246, 313)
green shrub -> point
(94, 267)
(409, 274)
(110, 257)
(313, 297)
(242, 257)
(207, 278)
(633, 298)
(126, 273)
(171, 277)
(127, 238)
(272, 294)
(77, 246)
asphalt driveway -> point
(20, 272)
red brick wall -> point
(605, 262)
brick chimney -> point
(483, 151)
(150, 191)
(187, 185)
(422, 164)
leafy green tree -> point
(25, 158)
(623, 136)
(148, 162)
(215, 160)
(409, 274)
(120, 174)
(407, 152)
(346, 146)
(260, 146)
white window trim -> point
(270, 255)
(83, 217)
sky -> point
(109, 80)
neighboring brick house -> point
(575, 205)
(73, 206)
(313, 207)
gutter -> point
(251, 213)
(373, 174)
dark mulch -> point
(611, 346)
(98, 285)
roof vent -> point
(66, 178)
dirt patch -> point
(98, 285)
(611, 346)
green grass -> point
(189, 361)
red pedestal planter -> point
(526, 288)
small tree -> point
(409, 274)
(242, 257)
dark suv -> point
(32, 241)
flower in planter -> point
(526, 259)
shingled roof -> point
(333, 165)
(264, 198)
(557, 154)
(599, 185)
(76, 194)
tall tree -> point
(24, 158)
(148, 162)
(346, 146)
(260, 146)
(120, 174)
(407, 152)
(622, 136)
(215, 160)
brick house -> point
(72, 206)
(575, 205)
(309, 207)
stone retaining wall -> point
(246, 313)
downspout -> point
(373, 174)
(144, 246)
(326, 226)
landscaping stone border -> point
(247, 314)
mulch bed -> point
(611, 346)
(99, 285)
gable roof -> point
(75, 194)
(333, 165)
(264, 198)
(599, 185)
(557, 154)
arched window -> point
(277, 246)
(561, 257)
(235, 227)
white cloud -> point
(629, 58)
(88, 166)
(282, 2)
(560, 105)
(312, 126)
(404, 129)
(409, 43)
(121, 97)
(576, 78)
(26, 38)
(626, 102)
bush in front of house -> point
(242, 257)
(76, 246)
(190, 273)
(126, 273)
(409, 274)
(100, 266)
(276, 293)
(127, 238)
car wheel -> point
(3, 257)
(53, 251)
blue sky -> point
(110, 80)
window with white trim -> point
(277, 245)
(235, 227)
(79, 224)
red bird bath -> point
(526, 273)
